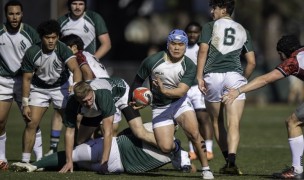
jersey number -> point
(229, 36)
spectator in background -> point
(45, 68)
(222, 41)
(15, 38)
(193, 30)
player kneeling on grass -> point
(128, 154)
(97, 100)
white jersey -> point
(192, 52)
(98, 69)
(13, 47)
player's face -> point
(193, 33)
(216, 12)
(49, 41)
(88, 101)
(177, 50)
(77, 8)
(14, 16)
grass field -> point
(263, 148)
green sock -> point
(51, 162)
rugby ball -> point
(142, 96)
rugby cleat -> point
(23, 167)
(288, 173)
(230, 169)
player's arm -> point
(69, 144)
(138, 81)
(26, 85)
(256, 83)
(250, 57)
(201, 61)
(105, 46)
(87, 73)
(178, 92)
(107, 142)
(73, 67)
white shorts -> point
(91, 152)
(166, 115)
(42, 97)
(196, 97)
(217, 84)
(11, 88)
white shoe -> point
(51, 151)
(207, 174)
(23, 167)
(185, 161)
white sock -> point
(297, 146)
(38, 145)
(191, 148)
(2, 147)
(205, 168)
(209, 144)
(26, 157)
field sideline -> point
(263, 148)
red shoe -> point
(288, 173)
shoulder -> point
(32, 51)
(63, 18)
(94, 16)
(155, 58)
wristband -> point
(238, 89)
(25, 101)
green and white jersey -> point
(171, 74)
(227, 39)
(192, 52)
(13, 47)
(137, 157)
(88, 27)
(107, 91)
(50, 70)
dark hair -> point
(193, 24)
(73, 39)
(228, 4)
(13, 3)
(48, 27)
(71, 1)
(288, 44)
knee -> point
(292, 121)
(165, 148)
(32, 125)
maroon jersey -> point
(293, 65)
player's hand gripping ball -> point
(142, 96)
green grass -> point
(263, 148)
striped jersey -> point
(13, 47)
(171, 74)
(293, 65)
(137, 156)
(88, 28)
(50, 70)
(227, 39)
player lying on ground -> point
(128, 154)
